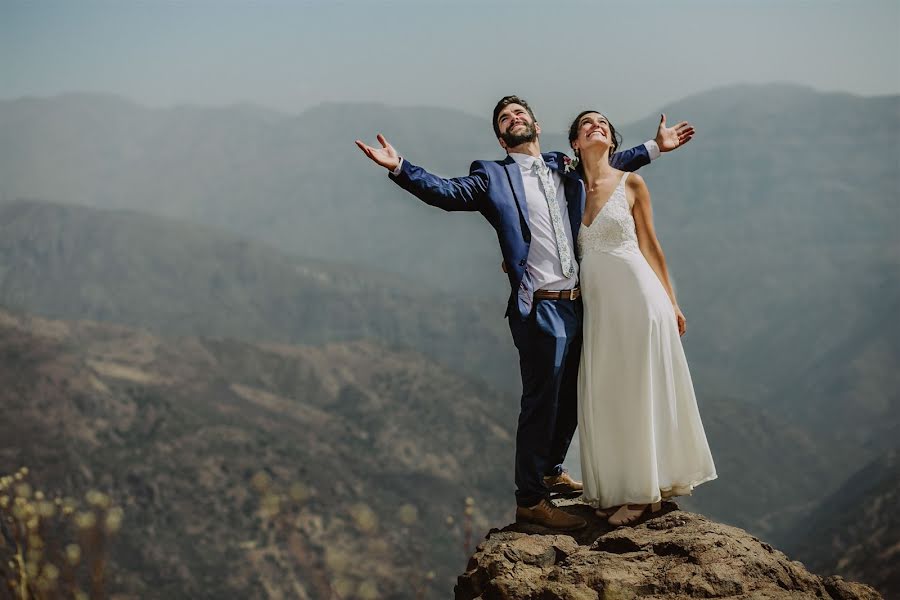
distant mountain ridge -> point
(297, 182)
(181, 279)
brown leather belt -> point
(572, 294)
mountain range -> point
(178, 280)
(776, 220)
(68, 261)
(778, 223)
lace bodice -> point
(613, 227)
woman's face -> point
(593, 130)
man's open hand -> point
(669, 138)
(385, 156)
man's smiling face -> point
(516, 126)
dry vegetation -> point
(54, 547)
(337, 575)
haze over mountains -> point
(177, 278)
(772, 208)
(778, 221)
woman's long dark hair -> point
(573, 134)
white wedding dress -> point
(639, 428)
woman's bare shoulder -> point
(635, 182)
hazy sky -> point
(627, 58)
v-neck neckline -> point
(610, 197)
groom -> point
(535, 203)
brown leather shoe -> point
(562, 484)
(546, 514)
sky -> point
(627, 58)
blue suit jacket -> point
(495, 189)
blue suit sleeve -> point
(459, 193)
(632, 159)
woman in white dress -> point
(640, 431)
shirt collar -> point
(525, 161)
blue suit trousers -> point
(549, 345)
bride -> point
(640, 431)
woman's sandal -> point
(629, 513)
(606, 513)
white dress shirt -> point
(543, 257)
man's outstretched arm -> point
(459, 193)
(386, 156)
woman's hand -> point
(682, 322)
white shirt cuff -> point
(396, 171)
(652, 149)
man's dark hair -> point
(504, 102)
(616, 138)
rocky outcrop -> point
(673, 554)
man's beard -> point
(516, 139)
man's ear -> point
(537, 128)
(502, 143)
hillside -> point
(180, 279)
(855, 531)
(385, 447)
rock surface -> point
(673, 554)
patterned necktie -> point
(562, 244)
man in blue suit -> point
(535, 203)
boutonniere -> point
(569, 164)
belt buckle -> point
(572, 294)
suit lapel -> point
(575, 202)
(518, 187)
